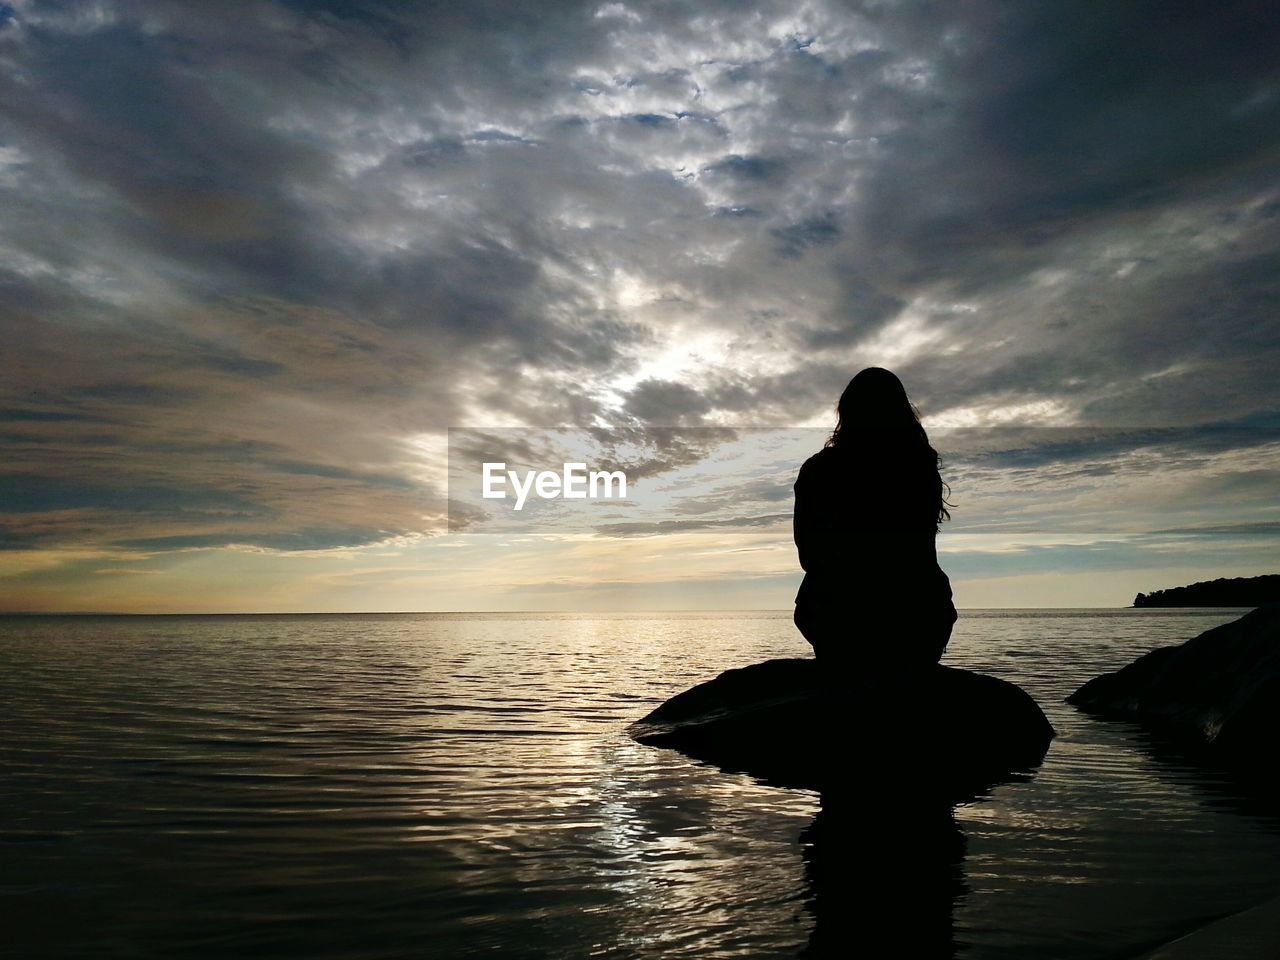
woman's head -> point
(874, 412)
(875, 405)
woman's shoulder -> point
(825, 462)
(820, 460)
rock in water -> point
(1219, 691)
(946, 733)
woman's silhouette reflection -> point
(867, 511)
(884, 856)
(882, 879)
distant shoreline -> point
(1223, 592)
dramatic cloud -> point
(256, 257)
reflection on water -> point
(886, 879)
(457, 786)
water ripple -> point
(461, 786)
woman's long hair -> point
(875, 408)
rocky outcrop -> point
(937, 732)
(1219, 691)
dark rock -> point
(932, 733)
(1219, 691)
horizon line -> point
(410, 613)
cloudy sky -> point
(257, 257)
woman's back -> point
(853, 506)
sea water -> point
(461, 785)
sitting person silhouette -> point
(868, 508)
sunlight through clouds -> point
(256, 267)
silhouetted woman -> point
(868, 506)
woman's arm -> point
(811, 522)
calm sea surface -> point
(461, 786)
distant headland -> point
(1223, 592)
